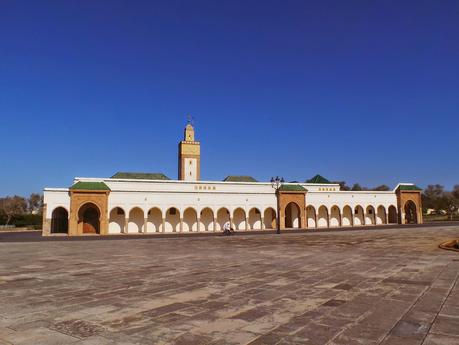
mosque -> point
(152, 203)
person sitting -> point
(227, 231)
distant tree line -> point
(19, 211)
(357, 187)
(436, 198)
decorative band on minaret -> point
(189, 167)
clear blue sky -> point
(361, 91)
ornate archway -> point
(392, 215)
(89, 218)
(411, 212)
(60, 221)
(292, 215)
(269, 218)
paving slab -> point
(383, 286)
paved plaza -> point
(390, 286)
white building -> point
(133, 203)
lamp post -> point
(276, 183)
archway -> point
(270, 218)
(255, 219)
(322, 221)
(239, 219)
(154, 220)
(393, 215)
(359, 216)
(335, 217)
(89, 218)
(207, 220)
(136, 220)
(190, 220)
(311, 216)
(172, 222)
(60, 221)
(370, 215)
(292, 215)
(116, 221)
(223, 216)
(347, 216)
(381, 215)
(411, 214)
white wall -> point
(214, 195)
(56, 197)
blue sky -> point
(361, 91)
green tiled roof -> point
(409, 187)
(90, 186)
(318, 179)
(292, 188)
(233, 178)
(141, 176)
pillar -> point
(164, 225)
(263, 223)
(214, 222)
(145, 220)
(247, 224)
(126, 225)
(181, 225)
(198, 225)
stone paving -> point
(390, 287)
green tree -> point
(356, 187)
(382, 187)
(455, 192)
(434, 197)
(451, 204)
(35, 203)
(342, 185)
(13, 205)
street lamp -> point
(276, 183)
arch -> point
(411, 212)
(311, 216)
(89, 218)
(239, 219)
(292, 215)
(381, 215)
(154, 220)
(269, 218)
(359, 216)
(347, 216)
(223, 216)
(116, 221)
(206, 219)
(370, 215)
(136, 220)
(172, 220)
(255, 219)
(335, 216)
(60, 221)
(190, 220)
(393, 219)
(322, 217)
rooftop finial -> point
(189, 119)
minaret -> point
(189, 168)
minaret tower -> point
(189, 156)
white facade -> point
(167, 206)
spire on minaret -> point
(189, 154)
